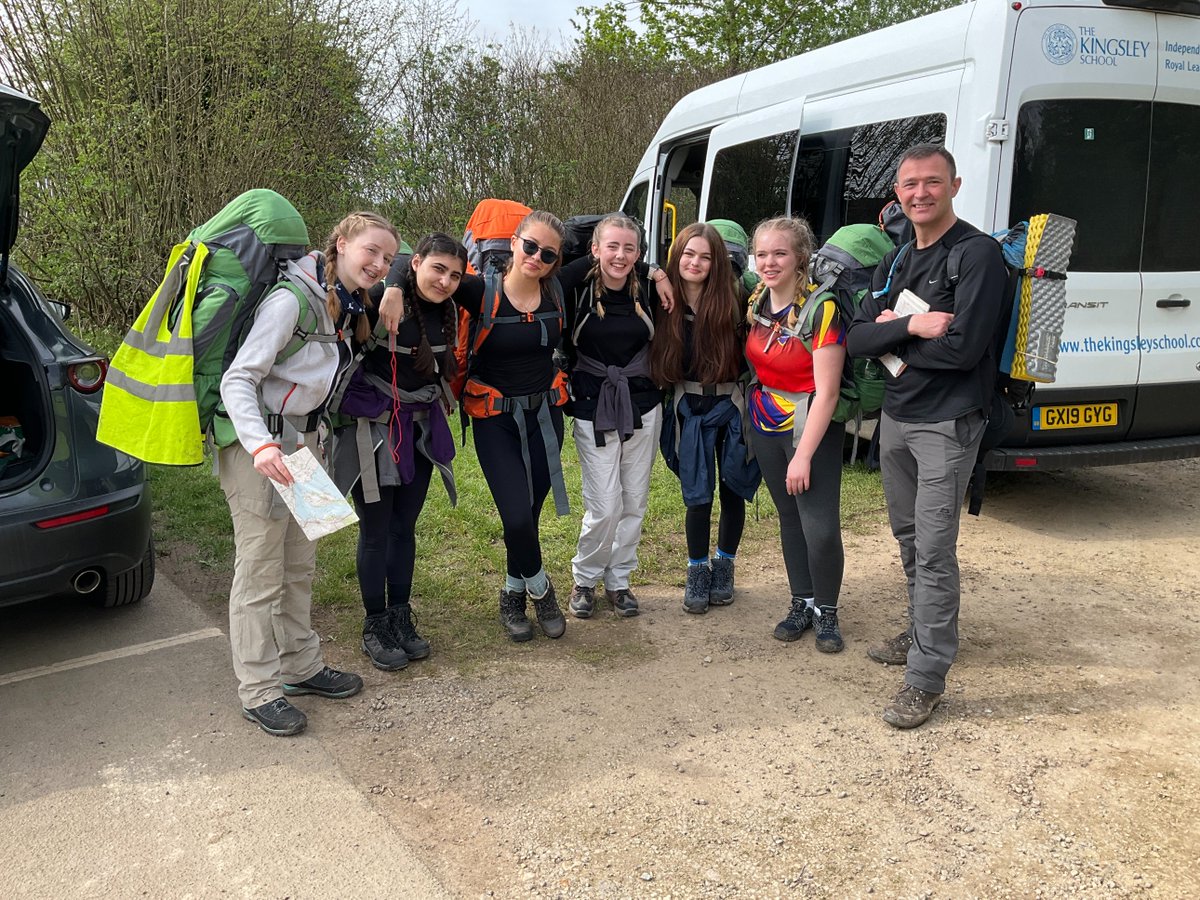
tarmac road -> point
(126, 770)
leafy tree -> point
(725, 37)
(163, 110)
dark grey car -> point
(74, 514)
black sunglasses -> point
(547, 255)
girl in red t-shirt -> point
(791, 404)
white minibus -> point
(1086, 108)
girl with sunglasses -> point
(394, 434)
(514, 395)
(698, 356)
(616, 408)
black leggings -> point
(697, 524)
(498, 446)
(387, 538)
(810, 527)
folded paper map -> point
(316, 504)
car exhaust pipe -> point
(87, 581)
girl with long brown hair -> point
(697, 356)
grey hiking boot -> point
(720, 592)
(911, 707)
(404, 626)
(623, 602)
(381, 643)
(582, 602)
(512, 616)
(797, 621)
(277, 717)
(550, 618)
(893, 651)
(329, 683)
(829, 636)
(695, 592)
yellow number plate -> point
(1082, 415)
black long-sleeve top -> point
(612, 339)
(949, 376)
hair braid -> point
(449, 335)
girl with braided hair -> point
(392, 432)
(275, 399)
(617, 407)
(797, 354)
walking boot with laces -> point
(893, 651)
(512, 616)
(623, 602)
(583, 601)
(797, 621)
(550, 618)
(328, 683)
(829, 635)
(277, 717)
(696, 590)
(720, 592)
(911, 707)
(381, 643)
(404, 626)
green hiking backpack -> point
(738, 244)
(842, 270)
(163, 392)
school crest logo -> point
(1058, 44)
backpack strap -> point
(887, 285)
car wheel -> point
(132, 585)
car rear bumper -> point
(1072, 456)
(43, 562)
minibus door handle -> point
(1175, 301)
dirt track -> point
(705, 759)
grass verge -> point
(460, 553)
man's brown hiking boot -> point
(911, 707)
(893, 651)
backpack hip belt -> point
(731, 389)
(482, 401)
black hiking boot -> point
(381, 644)
(893, 651)
(277, 717)
(512, 616)
(404, 626)
(829, 636)
(328, 683)
(550, 618)
(720, 592)
(695, 591)
(798, 620)
(623, 602)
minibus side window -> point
(1087, 159)
(1173, 195)
(846, 176)
(681, 194)
(635, 205)
(750, 180)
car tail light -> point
(95, 513)
(87, 376)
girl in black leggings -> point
(393, 415)
(697, 355)
(514, 396)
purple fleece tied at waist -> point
(437, 443)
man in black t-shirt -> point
(934, 411)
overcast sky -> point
(552, 17)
